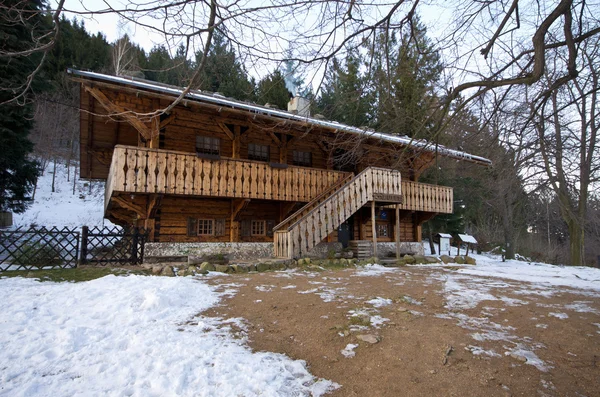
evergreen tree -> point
(17, 172)
(157, 64)
(405, 97)
(344, 97)
(224, 73)
(271, 89)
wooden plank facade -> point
(214, 173)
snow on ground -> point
(63, 208)
(541, 274)
(135, 336)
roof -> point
(467, 238)
(444, 235)
(215, 98)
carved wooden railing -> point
(318, 223)
(428, 198)
(143, 170)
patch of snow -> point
(348, 351)
(264, 288)
(562, 316)
(133, 335)
(375, 270)
(465, 293)
(540, 274)
(63, 208)
(581, 307)
(542, 326)
(480, 351)
(513, 301)
(288, 287)
(530, 357)
(377, 321)
(379, 302)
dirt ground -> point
(437, 332)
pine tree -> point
(344, 97)
(271, 89)
(224, 72)
(17, 173)
(405, 97)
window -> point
(205, 227)
(258, 228)
(383, 230)
(303, 159)
(208, 145)
(258, 152)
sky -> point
(436, 19)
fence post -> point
(134, 245)
(84, 245)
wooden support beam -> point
(149, 226)
(153, 204)
(277, 141)
(226, 130)
(236, 141)
(167, 121)
(283, 149)
(138, 209)
(285, 209)
(374, 228)
(236, 208)
(119, 111)
(118, 216)
(397, 231)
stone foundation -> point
(230, 251)
(389, 249)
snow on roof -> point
(467, 238)
(444, 235)
(254, 108)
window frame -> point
(298, 158)
(201, 227)
(208, 145)
(262, 227)
(385, 225)
(256, 152)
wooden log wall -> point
(363, 229)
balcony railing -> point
(143, 170)
(428, 198)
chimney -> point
(300, 106)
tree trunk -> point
(576, 243)
(430, 237)
(509, 232)
(54, 175)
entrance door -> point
(345, 232)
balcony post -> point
(397, 234)
(374, 228)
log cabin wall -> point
(363, 229)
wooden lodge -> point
(214, 169)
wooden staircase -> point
(310, 225)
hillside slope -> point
(63, 208)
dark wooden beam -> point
(119, 111)
(153, 204)
(124, 203)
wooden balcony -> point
(428, 198)
(155, 171)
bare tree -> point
(567, 133)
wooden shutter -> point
(246, 227)
(270, 226)
(219, 227)
(192, 227)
